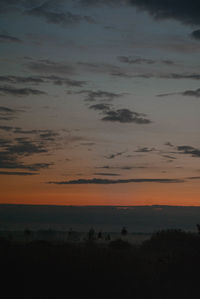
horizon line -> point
(81, 206)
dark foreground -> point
(166, 266)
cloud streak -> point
(97, 181)
(100, 95)
(9, 38)
(135, 60)
(10, 90)
(191, 93)
(8, 114)
(45, 66)
(18, 173)
(56, 17)
(36, 80)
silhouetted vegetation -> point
(164, 267)
(124, 231)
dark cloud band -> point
(109, 182)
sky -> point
(99, 102)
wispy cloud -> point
(9, 38)
(45, 66)
(54, 16)
(189, 150)
(191, 93)
(106, 174)
(36, 80)
(100, 95)
(109, 182)
(112, 156)
(10, 90)
(145, 150)
(18, 173)
(135, 60)
(7, 113)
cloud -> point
(145, 150)
(49, 135)
(108, 181)
(16, 148)
(45, 66)
(175, 76)
(57, 17)
(120, 115)
(195, 34)
(10, 161)
(9, 38)
(10, 90)
(141, 60)
(191, 93)
(168, 62)
(51, 12)
(36, 80)
(106, 174)
(103, 68)
(18, 173)
(103, 2)
(189, 150)
(169, 157)
(19, 79)
(6, 128)
(125, 116)
(7, 6)
(126, 167)
(193, 178)
(65, 81)
(135, 60)
(112, 156)
(183, 149)
(26, 147)
(7, 113)
(36, 166)
(169, 144)
(184, 11)
(100, 107)
(88, 143)
(100, 95)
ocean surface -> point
(136, 219)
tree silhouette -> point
(27, 234)
(108, 238)
(99, 235)
(91, 234)
(124, 231)
(198, 228)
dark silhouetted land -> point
(164, 267)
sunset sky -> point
(100, 102)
